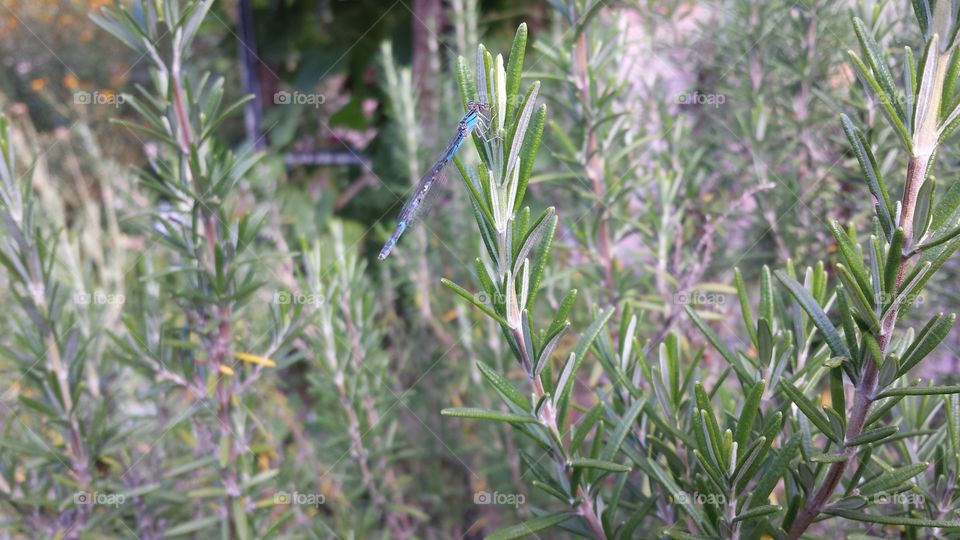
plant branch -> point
(594, 166)
(863, 398)
(548, 417)
(219, 345)
(916, 171)
(866, 389)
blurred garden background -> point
(682, 140)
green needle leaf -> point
(810, 410)
(920, 391)
(486, 414)
(531, 526)
(816, 313)
(929, 337)
(506, 389)
(759, 511)
(515, 68)
(892, 479)
(873, 435)
(463, 293)
(600, 464)
(749, 412)
(893, 520)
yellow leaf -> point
(226, 370)
(252, 358)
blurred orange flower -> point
(119, 79)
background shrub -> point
(678, 283)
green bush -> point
(205, 344)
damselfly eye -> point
(477, 106)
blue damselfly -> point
(415, 205)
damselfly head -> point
(481, 110)
(477, 106)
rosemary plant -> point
(194, 344)
(517, 251)
(351, 376)
(597, 150)
(723, 476)
(49, 353)
(877, 433)
(643, 193)
(777, 121)
(910, 240)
